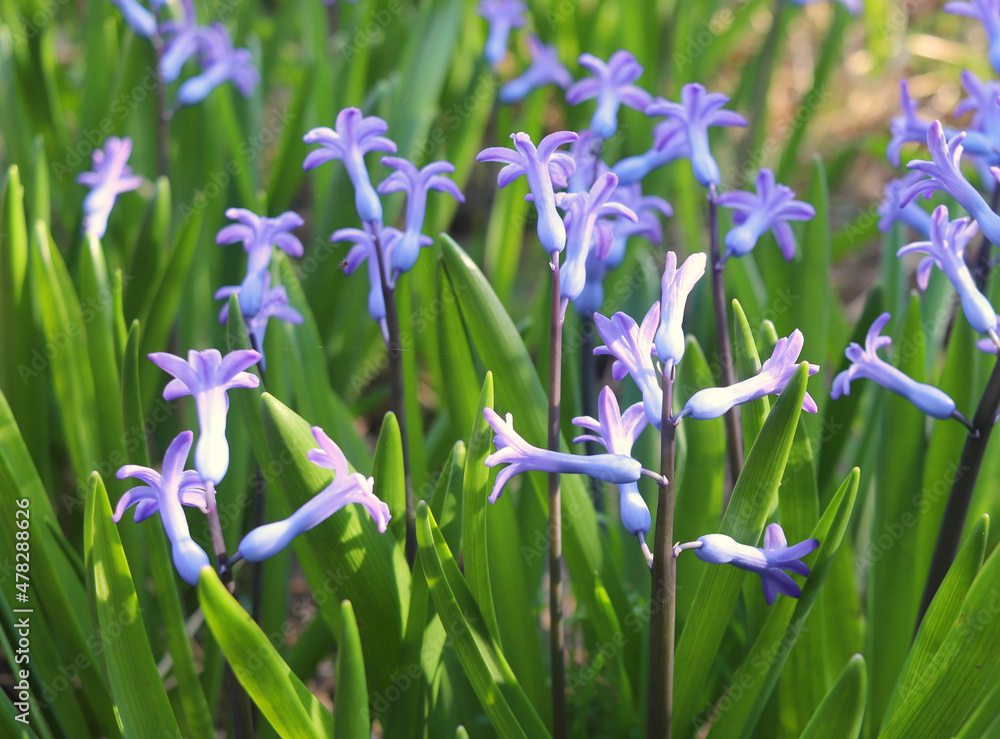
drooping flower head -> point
(545, 168)
(986, 12)
(166, 492)
(220, 62)
(346, 488)
(138, 18)
(769, 209)
(611, 84)
(617, 432)
(774, 374)
(110, 177)
(274, 303)
(182, 37)
(697, 110)
(502, 15)
(207, 375)
(773, 562)
(867, 364)
(353, 137)
(523, 457)
(675, 287)
(670, 142)
(415, 183)
(946, 249)
(259, 235)
(911, 214)
(632, 347)
(545, 69)
(944, 172)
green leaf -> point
(840, 714)
(146, 266)
(457, 366)
(350, 709)
(140, 702)
(282, 698)
(390, 486)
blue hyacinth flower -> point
(503, 16)
(631, 345)
(165, 493)
(611, 84)
(986, 12)
(274, 304)
(181, 37)
(110, 177)
(138, 18)
(545, 69)
(220, 62)
(675, 287)
(670, 142)
(772, 562)
(353, 137)
(911, 214)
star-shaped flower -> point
(670, 142)
(545, 69)
(632, 347)
(611, 84)
(502, 15)
(274, 303)
(110, 177)
(220, 62)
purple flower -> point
(867, 364)
(617, 433)
(415, 183)
(522, 457)
(611, 84)
(274, 303)
(986, 12)
(207, 375)
(911, 214)
(545, 69)
(771, 380)
(545, 168)
(140, 20)
(346, 488)
(165, 492)
(110, 178)
(768, 210)
(586, 155)
(182, 39)
(502, 15)
(676, 285)
(698, 110)
(354, 137)
(944, 173)
(632, 346)
(259, 234)
(946, 249)
(770, 562)
(220, 62)
(982, 103)
(670, 142)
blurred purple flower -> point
(586, 155)
(675, 286)
(110, 177)
(274, 303)
(545, 168)
(523, 457)
(354, 137)
(867, 364)
(611, 84)
(697, 110)
(220, 62)
(415, 183)
(182, 38)
(502, 15)
(771, 380)
(207, 375)
(769, 562)
(166, 492)
(346, 488)
(545, 69)
(986, 12)
(767, 210)
(670, 142)
(911, 214)
(139, 19)
(632, 347)
(982, 103)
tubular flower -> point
(771, 380)
(502, 15)
(110, 178)
(415, 183)
(545, 168)
(220, 63)
(946, 249)
(986, 12)
(773, 562)
(346, 488)
(867, 364)
(259, 234)
(697, 110)
(207, 375)
(182, 38)
(165, 492)
(138, 18)
(769, 209)
(982, 103)
(669, 143)
(632, 346)
(545, 69)
(274, 303)
(944, 173)
(676, 285)
(523, 457)
(353, 137)
(911, 214)
(617, 432)
(611, 84)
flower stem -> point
(588, 391)
(557, 641)
(397, 392)
(215, 530)
(734, 434)
(660, 700)
(950, 535)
